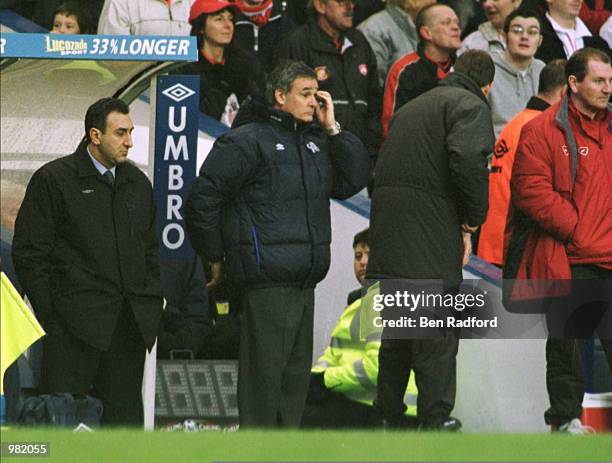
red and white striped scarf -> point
(258, 14)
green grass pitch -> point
(164, 447)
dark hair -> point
(523, 13)
(363, 237)
(578, 64)
(477, 65)
(80, 12)
(423, 17)
(283, 76)
(96, 115)
(552, 76)
(198, 26)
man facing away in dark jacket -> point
(430, 192)
(260, 208)
(86, 253)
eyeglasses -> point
(531, 32)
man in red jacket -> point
(562, 225)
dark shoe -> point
(451, 424)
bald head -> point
(438, 26)
(428, 14)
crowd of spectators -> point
(373, 56)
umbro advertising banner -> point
(175, 144)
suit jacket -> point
(85, 249)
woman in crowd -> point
(227, 74)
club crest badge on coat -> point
(312, 147)
(322, 72)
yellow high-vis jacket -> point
(350, 365)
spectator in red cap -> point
(227, 74)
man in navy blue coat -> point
(260, 209)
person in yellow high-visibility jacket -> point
(343, 380)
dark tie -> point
(109, 177)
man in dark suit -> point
(85, 251)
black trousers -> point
(275, 356)
(335, 411)
(433, 362)
(115, 376)
(564, 373)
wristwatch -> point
(334, 130)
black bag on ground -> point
(60, 410)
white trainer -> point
(576, 427)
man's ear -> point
(94, 135)
(425, 33)
(279, 97)
(572, 83)
(487, 89)
(319, 6)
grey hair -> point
(283, 76)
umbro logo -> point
(178, 92)
(501, 148)
(280, 147)
(87, 191)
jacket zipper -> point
(256, 242)
(300, 140)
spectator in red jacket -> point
(415, 73)
(561, 229)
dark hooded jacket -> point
(261, 201)
(431, 177)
